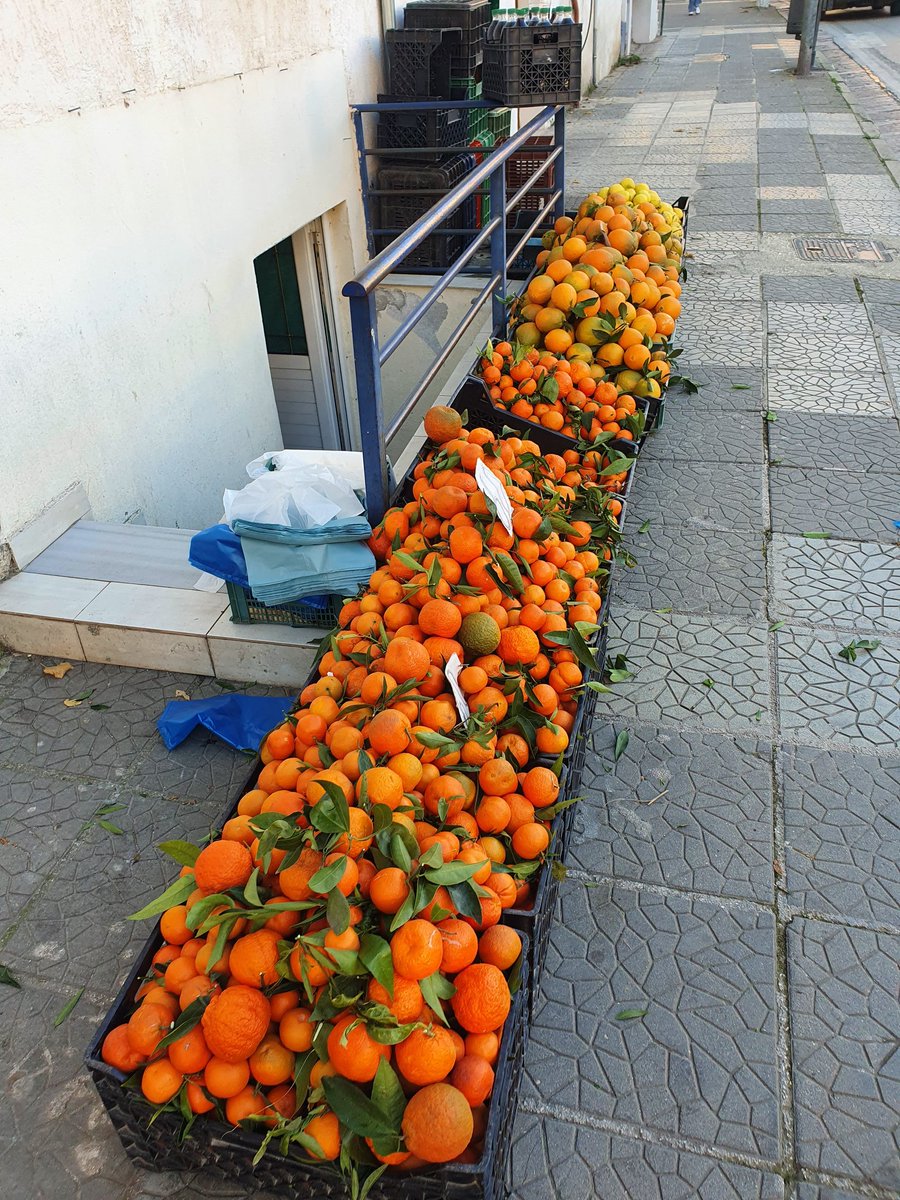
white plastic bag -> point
(344, 464)
(295, 497)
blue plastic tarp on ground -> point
(240, 721)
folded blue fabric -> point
(344, 529)
(241, 721)
(217, 551)
(279, 573)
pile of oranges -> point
(338, 966)
(597, 317)
(343, 943)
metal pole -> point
(364, 327)
(364, 180)
(809, 27)
(559, 137)
(498, 245)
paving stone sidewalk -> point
(737, 871)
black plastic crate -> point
(433, 129)
(227, 1153)
(415, 188)
(419, 62)
(531, 65)
(470, 17)
(522, 165)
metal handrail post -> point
(364, 179)
(364, 328)
(498, 244)
(559, 136)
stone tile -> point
(37, 635)
(77, 929)
(851, 505)
(720, 288)
(844, 1017)
(823, 699)
(798, 225)
(842, 833)
(812, 1191)
(885, 318)
(719, 574)
(793, 207)
(721, 389)
(557, 1160)
(699, 496)
(831, 442)
(865, 392)
(40, 817)
(38, 730)
(701, 1062)
(862, 187)
(810, 319)
(834, 351)
(688, 810)
(792, 193)
(672, 654)
(847, 585)
(56, 1140)
(736, 440)
(269, 654)
(880, 291)
(716, 223)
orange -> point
(426, 1056)
(530, 840)
(254, 959)
(460, 945)
(161, 1081)
(497, 778)
(118, 1051)
(406, 1002)
(352, 1052)
(437, 1123)
(222, 865)
(417, 949)
(541, 787)
(225, 1079)
(294, 880)
(189, 1054)
(147, 1027)
(325, 1130)
(296, 1030)
(235, 1021)
(440, 618)
(388, 732)
(474, 1076)
(172, 926)
(247, 1103)
(518, 644)
(271, 1062)
(388, 889)
(481, 1001)
(442, 424)
(500, 946)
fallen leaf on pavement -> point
(182, 696)
(59, 670)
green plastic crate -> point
(246, 610)
(499, 122)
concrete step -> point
(138, 608)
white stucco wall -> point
(149, 153)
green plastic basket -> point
(246, 610)
(499, 122)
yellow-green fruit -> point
(591, 331)
(628, 381)
(579, 352)
(528, 334)
(479, 634)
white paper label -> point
(496, 493)
(452, 669)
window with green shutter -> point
(279, 300)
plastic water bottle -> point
(542, 15)
(525, 17)
(503, 19)
(564, 17)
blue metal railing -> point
(370, 354)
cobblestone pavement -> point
(736, 871)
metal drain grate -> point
(841, 249)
